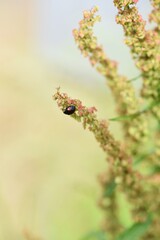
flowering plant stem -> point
(122, 175)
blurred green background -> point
(48, 163)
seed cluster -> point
(122, 89)
(141, 144)
(120, 170)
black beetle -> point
(69, 110)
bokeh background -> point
(48, 163)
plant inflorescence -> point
(138, 115)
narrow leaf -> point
(142, 157)
(132, 116)
(136, 231)
(125, 117)
(97, 235)
(135, 78)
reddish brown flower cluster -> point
(141, 140)
(122, 89)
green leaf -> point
(135, 78)
(125, 117)
(136, 231)
(155, 169)
(96, 235)
(132, 116)
(142, 157)
(109, 189)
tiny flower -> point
(92, 110)
(86, 14)
(135, 1)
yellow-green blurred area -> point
(48, 163)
